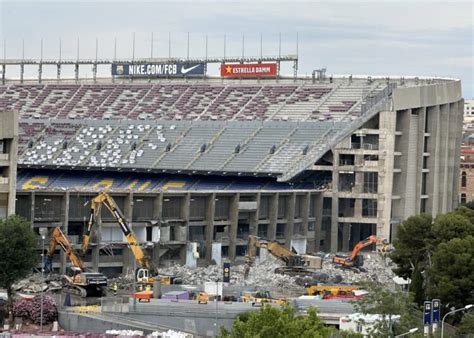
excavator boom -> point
(59, 238)
(108, 201)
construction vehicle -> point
(344, 295)
(147, 273)
(295, 264)
(333, 289)
(258, 298)
(80, 281)
(354, 261)
(202, 297)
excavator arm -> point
(110, 204)
(362, 244)
(59, 238)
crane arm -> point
(362, 244)
(59, 238)
(110, 204)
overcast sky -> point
(351, 37)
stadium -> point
(197, 162)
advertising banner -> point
(249, 70)
(158, 69)
(436, 308)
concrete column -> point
(96, 248)
(432, 179)
(335, 203)
(273, 215)
(157, 215)
(32, 211)
(387, 125)
(399, 179)
(211, 207)
(318, 213)
(443, 158)
(420, 151)
(411, 167)
(65, 222)
(12, 169)
(457, 147)
(290, 219)
(234, 220)
(182, 233)
(451, 160)
(346, 236)
(359, 183)
(305, 212)
(254, 216)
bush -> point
(32, 309)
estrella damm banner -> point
(180, 69)
(249, 70)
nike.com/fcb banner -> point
(159, 69)
(249, 70)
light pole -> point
(217, 302)
(407, 333)
(467, 307)
(42, 279)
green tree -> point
(467, 323)
(17, 251)
(452, 274)
(454, 224)
(388, 304)
(411, 244)
(274, 322)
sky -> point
(392, 38)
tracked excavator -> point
(147, 273)
(354, 261)
(79, 280)
(295, 264)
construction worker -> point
(115, 288)
(148, 288)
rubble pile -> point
(34, 284)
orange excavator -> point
(354, 261)
(79, 281)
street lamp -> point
(467, 307)
(43, 237)
(407, 333)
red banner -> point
(249, 70)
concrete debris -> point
(124, 333)
(170, 334)
(34, 284)
(262, 275)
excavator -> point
(295, 264)
(354, 261)
(80, 281)
(147, 273)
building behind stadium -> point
(199, 163)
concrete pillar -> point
(318, 213)
(457, 159)
(420, 150)
(433, 147)
(346, 236)
(157, 215)
(387, 125)
(443, 158)
(411, 167)
(290, 219)
(335, 203)
(12, 167)
(254, 216)
(182, 233)
(234, 220)
(399, 179)
(32, 210)
(65, 222)
(304, 221)
(451, 160)
(273, 215)
(211, 207)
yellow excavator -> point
(80, 281)
(147, 273)
(295, 264)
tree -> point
(452, 274)
(411, 244)
(467, 323)
(454, 224)
(17, 251)
(388, 303)
(271, 321)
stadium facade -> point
(199, 164)
(8, 162)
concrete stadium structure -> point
(8, 162)
(198, 165)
